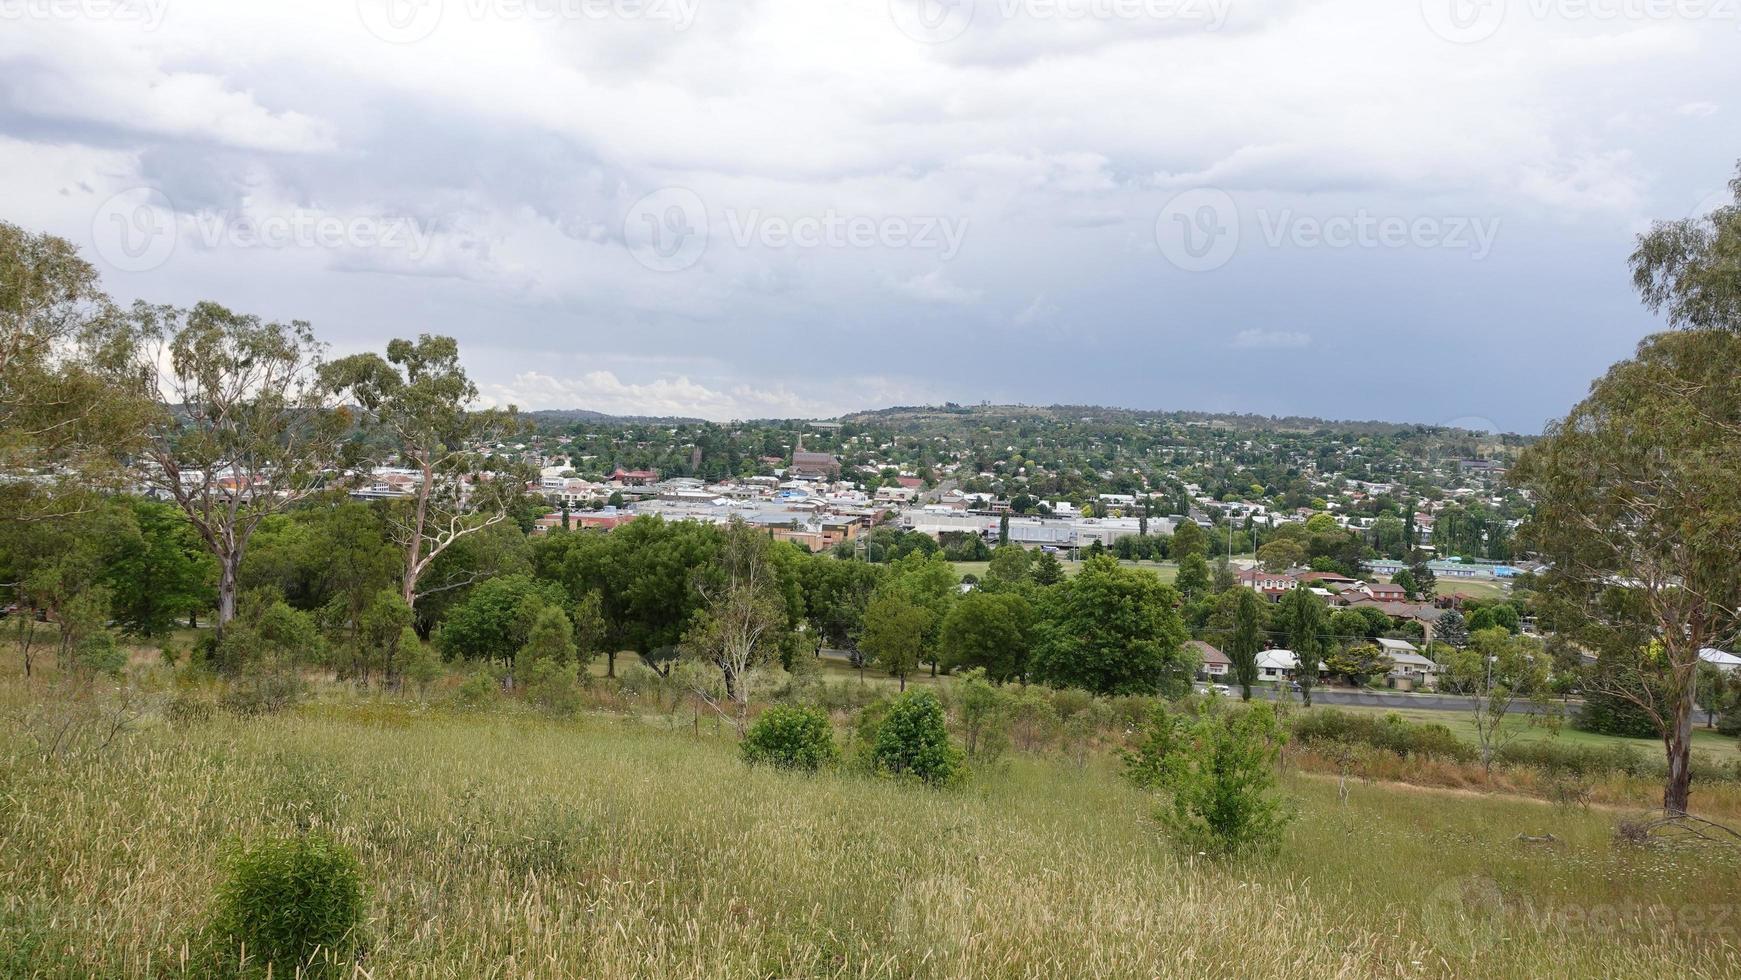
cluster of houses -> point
(1410, 669)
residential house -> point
(1728, 663)
(1277, 665)
(1215, 666)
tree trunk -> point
(610, 663)
(228, 567)
(1679, 743)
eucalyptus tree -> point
(65, 421)
(240, 425)
(418, 404)
(1636, 509)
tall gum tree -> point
(417, 402)
(1637, 508)
(66, 418)
(241, 426)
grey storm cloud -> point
(792, 207)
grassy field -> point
(504, 844)
(1722, 748)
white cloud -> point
(935, 287)
(1053, 141)
(1037, 311)
(603, 391)
(1271, 340)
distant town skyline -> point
(786, 209)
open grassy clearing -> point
(1720, 748)
(504, 844)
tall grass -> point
(506, 844)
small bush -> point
(481, 689)
(1565, 759)
(264, 692)
(100, 654)
(913, 740)
(290, 904)
(1222, 779)
(788, 737)
(553, 686)
(1387, 732)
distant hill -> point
(916, 414)
(568, 416)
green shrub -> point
(1580, 760)
(1606, 714)
(100, 654)
(290, 904)
(1388, 732)
(788, 737)
(422, 664)
(982, 710)
(1220, 773)
(913, 740)
(553, 686)
(480, 690)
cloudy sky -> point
(1407, 209)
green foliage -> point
(1048, 570)
(894, 633)
(422, 664)
(100, 654)
(1193, 577)
(991, 631)
(494, 622)
(480, 689)
(550, 638)
(162, 572)
(1605, 712)
(1113, 630)
(553, 685)
(791, 737)
(1503, 615)
(983, 710)
(912, 740)
(1388, 732)
(1219, 772)
(1246, 640)
(1010, 562)
(1358, 663)
(1452, 628)
(289, 904)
